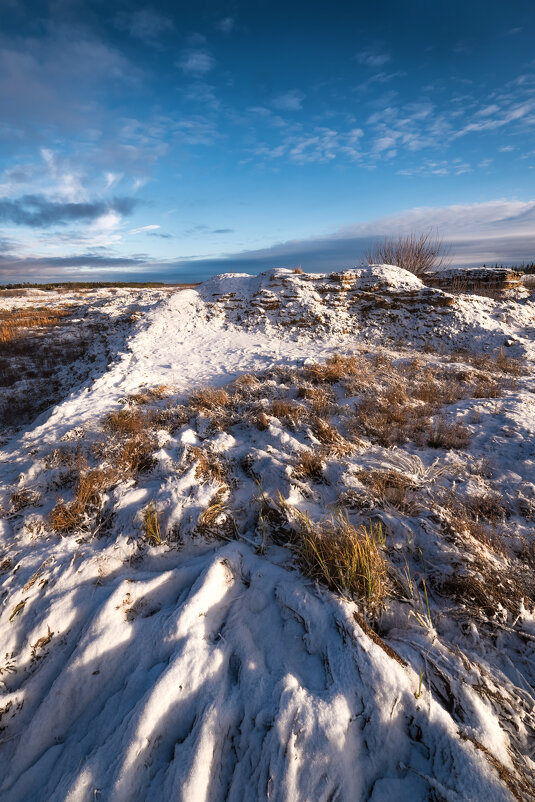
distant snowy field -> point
(210, 667)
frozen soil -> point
(163, 635)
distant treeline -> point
(81, 285)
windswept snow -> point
(208, 670)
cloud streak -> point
(38, 211)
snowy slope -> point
(201, 669)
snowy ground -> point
(210, 667)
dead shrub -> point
(347, 559)
(421, 254)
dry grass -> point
(348, 559)
(216, 520)
(66, 517)
(309, 465)
(497, 362)
(209, 467)
(391, 420)
(151, 524)
(475, 516)
(335, 369)
(209, 398)
(391, 488)
(23, 498)
(135, 455)
(287, 411)
(150, 395)
(446, 434)
(321, 399)
(127, 422)
(261, 420)
(330, 437)
(17, 323)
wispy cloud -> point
(196, 62)
(226, 24)
(373, 57)
(143, 228)
(289, 101)
(144, 24)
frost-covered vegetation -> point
(282, 547)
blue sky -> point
(173, 141)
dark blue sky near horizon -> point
(172, 141)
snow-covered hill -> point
(163, 635)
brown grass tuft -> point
(149, 395)
(209, 467)
(391, 487)
(287, 411)
(151, 524)
(126, 421)
(329, 436)
(336, 368)
(444, 434)
(65, 517)
(309, 465)
(136, 455)
(209, 398)
(216, 520)
(347, 559)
